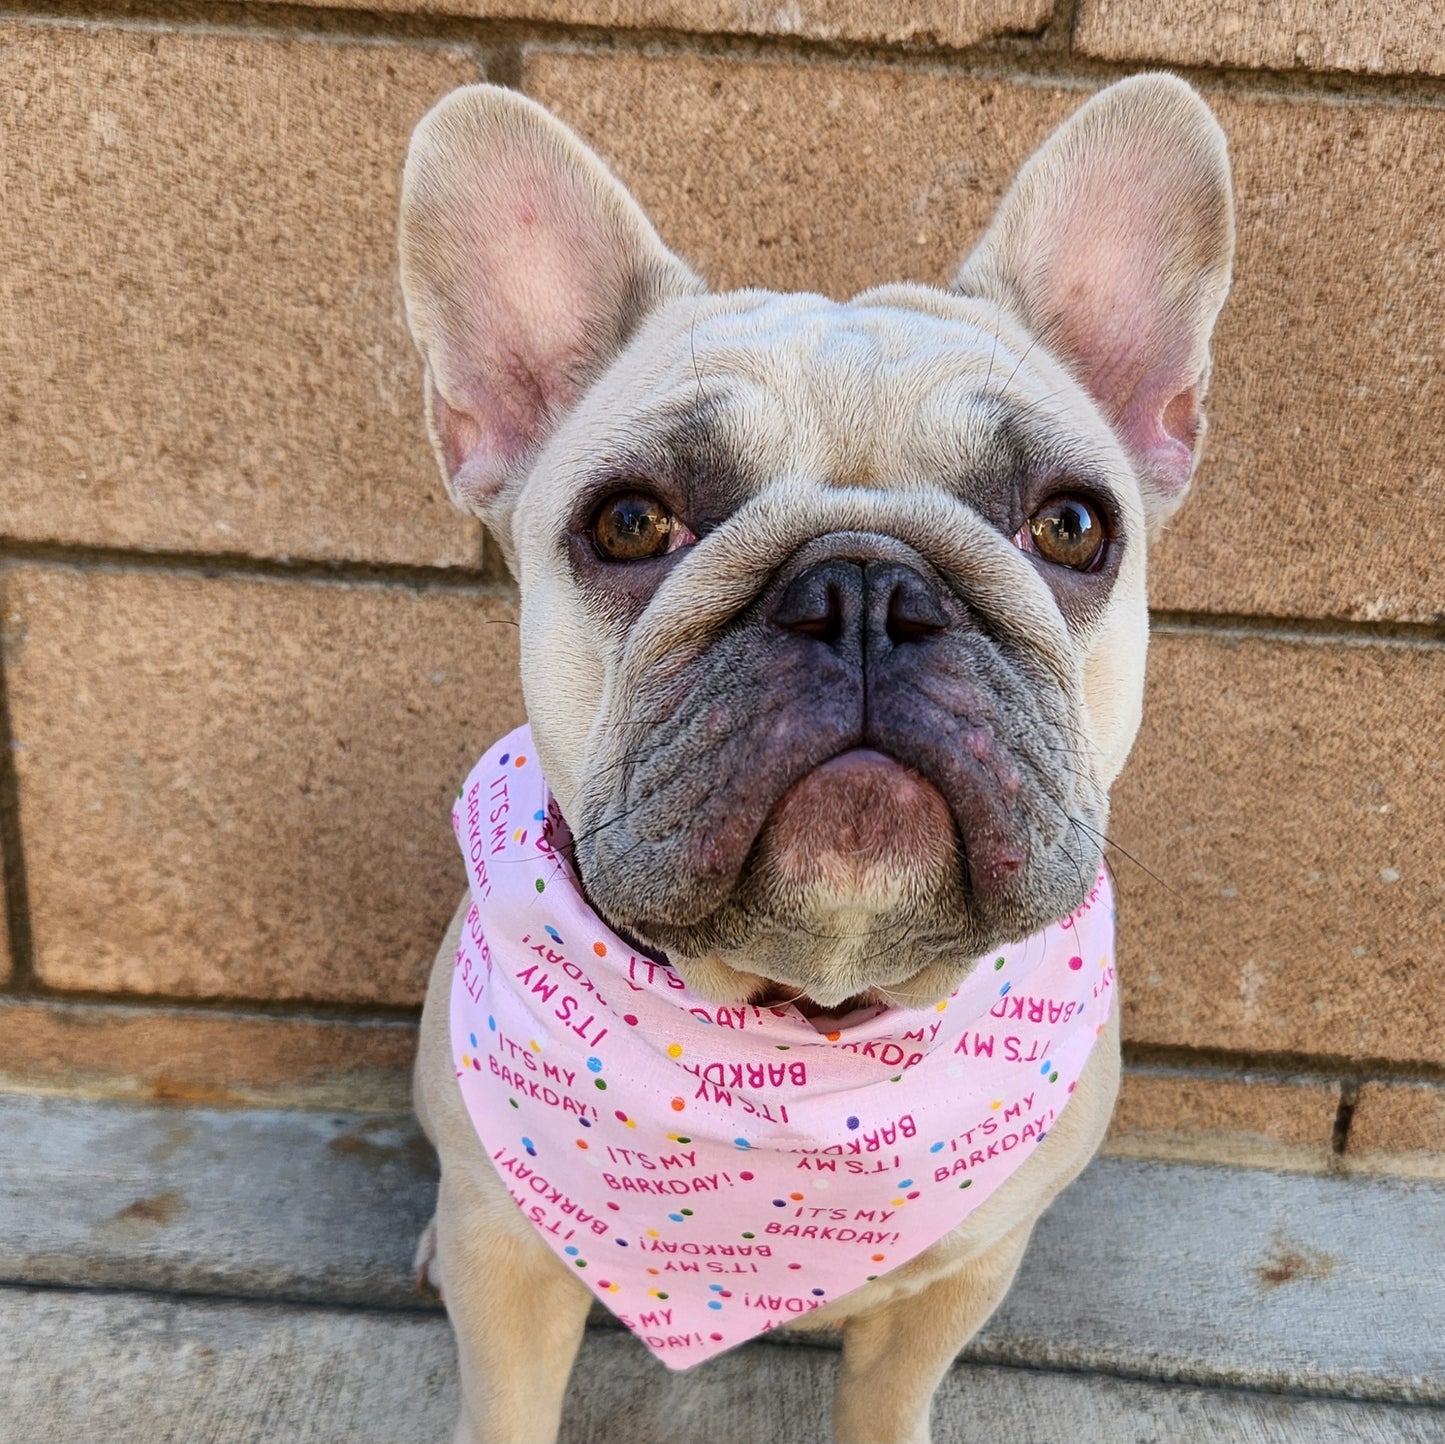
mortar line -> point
(1027, 58)
(214, 565)
(1344, 1118)
(23, 977)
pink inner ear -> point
(1102, 284)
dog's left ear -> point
(1114, 248)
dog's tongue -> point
(857, 823)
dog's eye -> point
(633, 526)
(1065, 530)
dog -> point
(833, 629)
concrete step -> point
(125, 1368)
(1159, 1271)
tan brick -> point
(190, 1055)
(1322, 493)
(202, 342)
(1398, 1128)
(802, 177)
(1286, 797)
(947, 23)
(1400, 37)
(1259, 1123)
(1323, 488)
(240, 788)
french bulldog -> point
(833, 629)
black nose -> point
(862, 607)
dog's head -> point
(833, 614)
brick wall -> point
(248, 649)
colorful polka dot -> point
(491, 1023)
(675, 1217)
(583, 1143)
(750, 1235)
(600, 1083)
(473, 1037)
(907, 1183)
(674, 1050)
(594, 1065)
(535, 1046)
(795, 1266)
(600, 949)
(657, 1293)
(967, 1183)
(1004, 989)
(1053, 1078)
(745, 1176)
(476, 1064)
(514, 1102)
(541, 886)
(852, 1122)
(585, 1122)
(505, 758)
(796, 1197)
(678, 1105)
(520, 762)
(715, 1288)
(716, 1338)
(935, 1148)
(741, 1143)
(997, 964)
(630, 1019)
(530, 1146)
(817, 1293)
(939, 1007)
(714, 1304)
(616, 1208)
(1076, 963)
(539, 816)
(553, 934)
(780, 1203)
(879, 1257)
(832, 1037)
(620, 1242)
(995, 1105)
(572, 1251)
(1046, 1067)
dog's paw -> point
(424, 1264)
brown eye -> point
(633, 527)
(1065, 530)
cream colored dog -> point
(893, 545)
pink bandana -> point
(711, 1172)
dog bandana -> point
(713, 1171)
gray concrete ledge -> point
(1159, 1272)
(134, 1369)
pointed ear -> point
(1114, 248)
(526, 267)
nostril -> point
(913, 614)
(815, 605)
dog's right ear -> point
(526, 267)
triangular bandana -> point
(712, 1172)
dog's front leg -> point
(517, 1314)
(895, 1356)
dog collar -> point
(714, 1171)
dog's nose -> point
(864, 607)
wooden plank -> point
(135, 1369)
